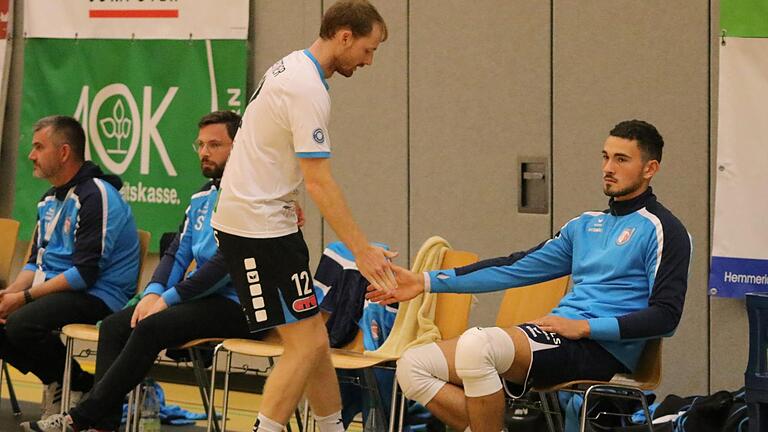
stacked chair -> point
(9, 232)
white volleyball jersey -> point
(286, 119)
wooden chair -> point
(89, 332)
(451, 317)
(647, 376)
(9, 233)
(524, 304)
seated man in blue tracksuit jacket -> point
(175, 307)
(84, 262)
(630, 272)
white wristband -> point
(427, 283)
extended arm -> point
(372, 261)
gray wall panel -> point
(369, 137)
(479, 99)
(645, 60)
(729, 344)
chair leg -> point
(547, 409)
(393, 406)
(647, 412)
(584, 403)
(638, 394)
(11, 392)
(211, 400)
(3, 369)
(554, 401)
(297, 414)
(225, 409)
(128, 412)
(66, 380)
(402, 413)
(198, 367)
(136, 408)
(305, 415)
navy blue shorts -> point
(555, 360)
(272, 278)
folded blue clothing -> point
(170, 414)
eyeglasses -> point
(212, 146)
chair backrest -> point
(9, 232)
(144, 238)
(647, 376)
(452, 310)
(527, 303)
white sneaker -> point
(52, 400)
(54, 423)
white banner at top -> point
(136, 19)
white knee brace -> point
(422, 372)
(481, 355)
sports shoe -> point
(51, 403)
(52, 400)
(54, 423)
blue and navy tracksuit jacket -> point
(94, 244)
(194, 241)
(629, 266)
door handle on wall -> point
(533, 186)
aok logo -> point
(116, 129)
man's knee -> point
(481, 355)
(20, 330)
(422, 372)
(115, 326)
(307, 337)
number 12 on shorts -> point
(300, 279)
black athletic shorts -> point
(555, 360)
(272, 278)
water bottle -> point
(149, 417)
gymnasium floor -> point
(242, 406)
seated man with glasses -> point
(174, 309)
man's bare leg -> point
(485, 413)
(449, 404)
(322, 388)
(306, 352)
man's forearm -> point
(55, 284)
(22, 282)
(330, 201)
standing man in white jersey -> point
(283, 140)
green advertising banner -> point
(139, 102)
(744, 18)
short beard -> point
(213, 173)
(622, 192)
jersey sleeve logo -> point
(625, 236)
(318, 136)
